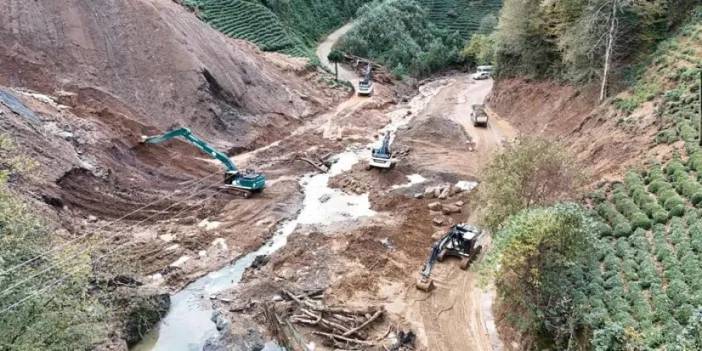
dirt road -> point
(325, 48)
(457, 314)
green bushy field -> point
(462, 16)
(647, 277)
(292, 27)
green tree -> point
(536, 261)
(487, 24)
(399, 35)
(335, 56)
(532, 172)
(480, 50)
(37, 315)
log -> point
(369, 321)
(343, 338)
(316, 164)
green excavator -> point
(244, 182)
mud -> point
(95, 87)
(375, 260)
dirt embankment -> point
(606, 141)
(154, 64)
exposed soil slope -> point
(604, 139)
(152, 62)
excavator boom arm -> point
(186, 134)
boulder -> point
(434, 206)
(445, 193)
(438, 221)
(450, 209)
(437, 234)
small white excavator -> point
(381, 157)
(365, 85)
(460, 241)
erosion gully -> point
(189, 323)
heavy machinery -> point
(365, 85)
(381, 157)
(478, 115)
(242, 182)
(461, 241)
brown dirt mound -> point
(573, 115)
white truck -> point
(484, 72)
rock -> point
(324, 198)
(437, 235)
(143, 313)
(437, 191)
(434, 206)
(92, 219)
(66, 98)
(450, 209)
(445, 192)
(419, 195)
(260, 261)
(65, 135)
(438, 221)
(219, 321)
(429, 192)
(459, 203)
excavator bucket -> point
(425, 284)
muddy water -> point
(188, 324)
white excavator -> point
(365, 85)
(381, 157)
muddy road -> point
(325, 47)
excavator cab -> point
(381, 157)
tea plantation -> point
(292, 27)
(462, 16)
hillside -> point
(291, 27)
(463, 16)
(641, 146)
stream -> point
(188, 324)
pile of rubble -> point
(441, 192)
(341, 328)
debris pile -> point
(338, 327)
(440, 192)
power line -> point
(68, 259)
(54, 249)
(59, 281)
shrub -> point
(677, 292)
(627, 207)
(530, 173)
(677, 211)
(603, 229)
(621, 229)
(64, 316)
(542, 250)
